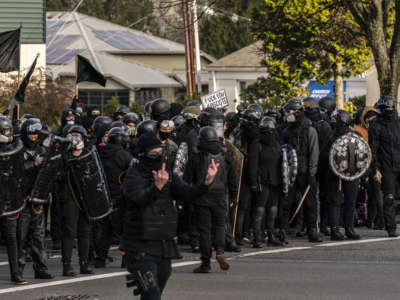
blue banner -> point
(319, 91)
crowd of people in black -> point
(171, 179)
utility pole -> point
(189, 49)
(197, 46)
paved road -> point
(366, 269)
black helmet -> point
(210, 115)
(6, 130)
(122, 110)
(294, 105)
(26, 117)
(386, 101)
(274, 113)
(240, 108)
(31, 126)
(178, 121)
(146, 127)
(131, 118)
(78, 129)
(256, 107)
(342, 117)
(118, 136)
(160, 109)
(252, 115)
(267, 123)
(327, 104)
(208, 134)
(193, 103)
(118, 124)
(310, 103)
(100, 121)
(147, 107)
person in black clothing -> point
(338, 189)
(115, 161)
(151, 218)
(384, 139)
(74, 219)
(32, 218)
(211, 208)
(264, 163)
(304, 139)
(67, 118)
(91, 114)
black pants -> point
(390, 180)
(103, 238)
(323, 181)
(375, 202)
(75, 222)
(245, 204)
(210, 219)
(55, 219)
(309, 209)
(159, 267)
(347, 194)
(9, 228)
(32, 229)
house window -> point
(146, 94)
(100, 97)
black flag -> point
(86, 72)
(19, 96)
(9, 50)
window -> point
(100, 97)
(146, 94)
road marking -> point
(270, 251)
(3, 263)
(358, 242)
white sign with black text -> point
(216, 100)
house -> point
(139, 67)
(239, 69)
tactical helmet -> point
(327, 104)
(210, 115)
(122, 110)
(240, 108)
(194, 103)
(118, 124)
(208, 134)
(252, 115)
(293, 105)
(310, 103)
(26, 117)
(256, 107)
(31, 126)
(274, 113)
(100, 121)
(178, 121)
(78, 129)
(146, 127)
(160, 109)
(267, 123)
(118, 136)
(386, 101)
(6, 130)
(131, 118)
(342, 117)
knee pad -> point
(388, 199)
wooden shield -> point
(238, 160)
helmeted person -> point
(32, 217)
(384, 139)
(245, 140)
(120, 112)
(160, 110)
(189, 131)
(91, 114)
(211, 208)
(11, 193)
(375, 199)
(301, 136)
(74, 220)
(165, 133)
(264, 164)
(67, 118)
(115, 159)
(150, 222)
(339, 190)
(131, 120)
(327, 106)
(144, 127)
(101, 125)
(319, 121)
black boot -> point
(272, 241)
(325, 231)
(68, 270)
(18, 279)
(84, 268)
(258, 234)
(283, 236)
(336, 235)
(43, 274)
(351, 234)
(314, 236)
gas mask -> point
(290, 118)
(131, 130)
(6, 136)
(77, 141)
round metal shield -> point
(350, 156)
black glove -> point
(312, 181)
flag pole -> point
(76, 78)
(19, 67)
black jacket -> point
(31, 171)
(384, 140)
(304, 138)
(115, 161)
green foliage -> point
(350, 107)
(308, 39)
(111, 107)
(359, 102)
(136, 108)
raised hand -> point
(211, 172)
(161, 177)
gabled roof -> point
(247, 57)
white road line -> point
(270, 251)
(358, 242)
(3, 263)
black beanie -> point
(148, 141)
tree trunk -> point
(338, 86)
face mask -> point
(131, 131)
(164, 135)
(389, 114)
(77, 141)
(5, 139)
(70, 122)
(154, 156)
(291, 118)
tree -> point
(379, 22)
(311, 39)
